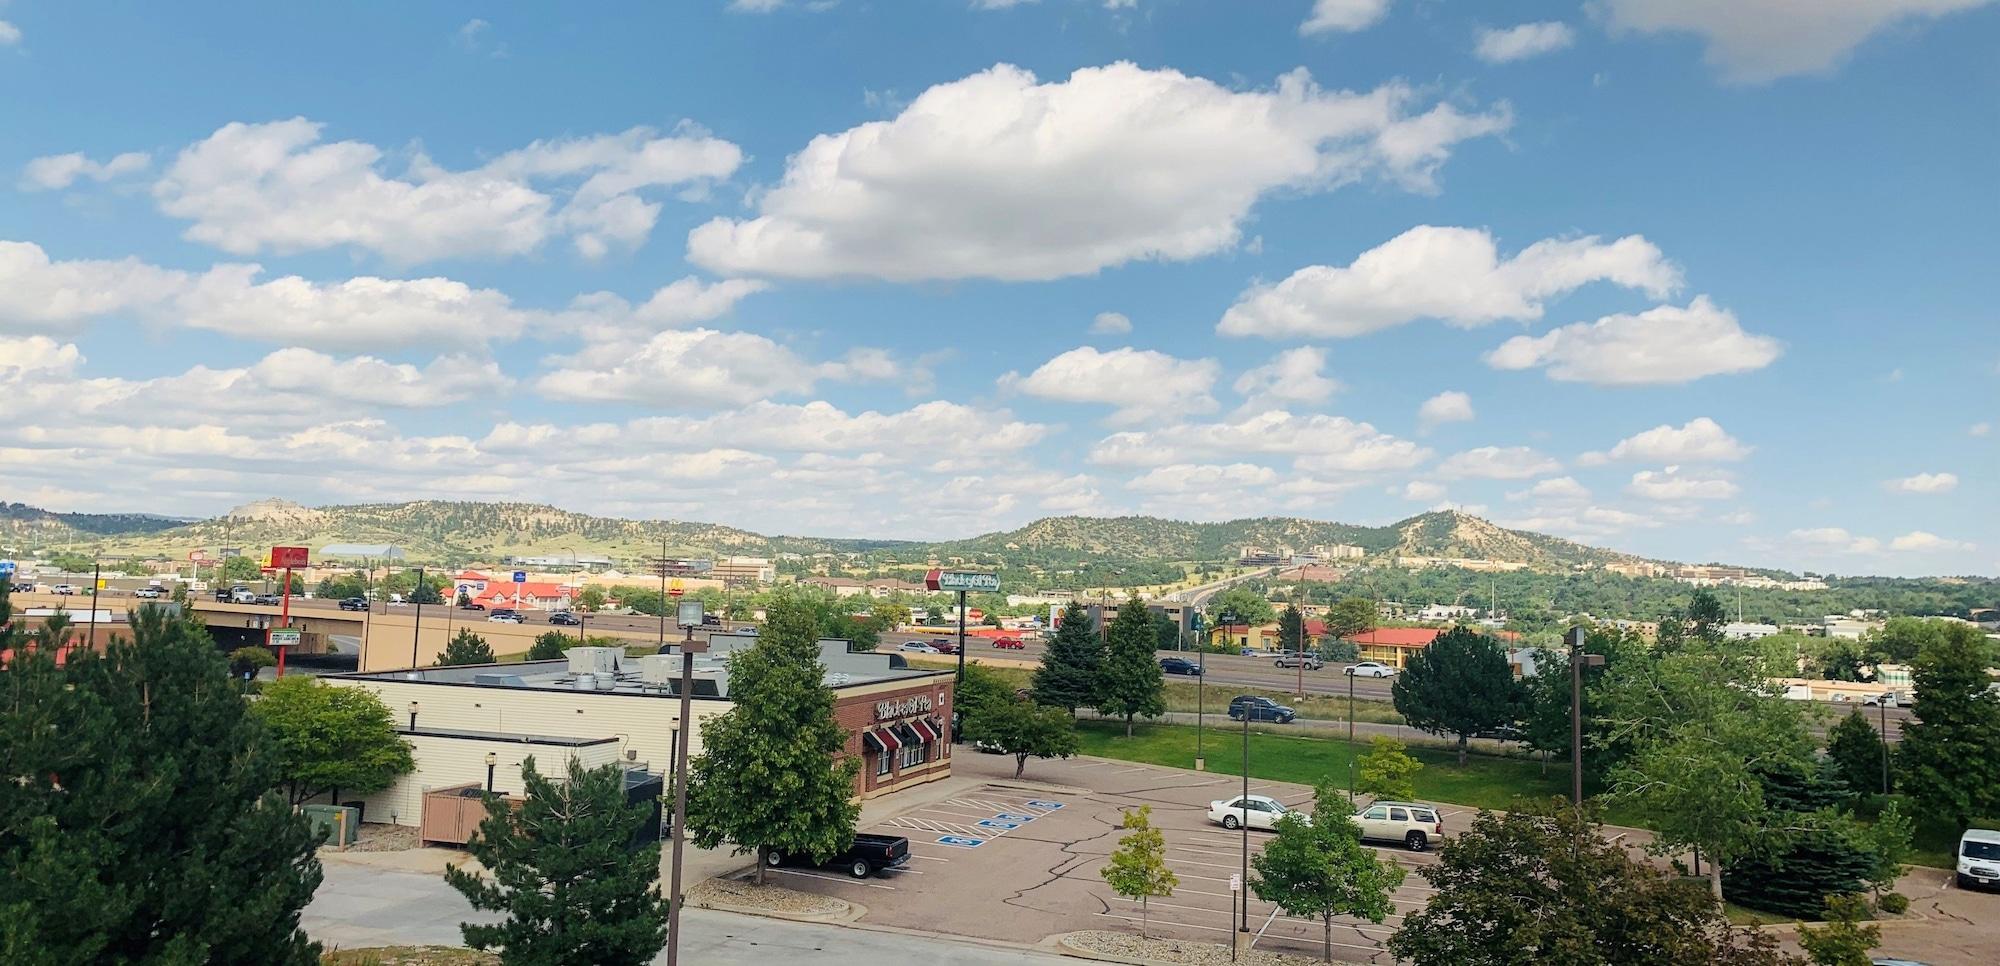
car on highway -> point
(242, 595)
(1260, 811)
(469, 604)
(24, 588)
(270, 600)
(566, 619)
(1255, 708)
(1309, 661)
(865, 856)
(148, 593)
(1887, 699)
(915, 647)
(944, 647)
(1978, 858)
(505, 617)
(1010, 644)
(1370, 669)
(65, 590)
(1415, 825)
(354, 603)
(1179, 665)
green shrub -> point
(1894, 903)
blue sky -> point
(1700, 281)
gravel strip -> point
(383, 837)
(1173, 950)
(738, 892)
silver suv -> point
(1414, 825)
(1311, 661)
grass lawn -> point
(1181, 694)
(1752, 917)
(1483, 781)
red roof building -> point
(524, 596)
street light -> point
(682, 727)
(491, 760)
(1200, 703)
(1243, 932)
(1577, 661)
(413, 716)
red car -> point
(1009, 643)
(944, 647)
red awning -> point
(871, 742)
(889, 740)
(923, 730)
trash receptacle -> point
(337, 824)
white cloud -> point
(1141, 383)
(697, 369)
(1978, 429)
(275, 186)
(998, 175)
(1700, 440)
(1294, 376)
(1919, 541)
(1673, 484)
(1450, 406)
(1661, 346)
(1343, 16)
(1836, 538)
(58, 171)
(1498, 463)
(1110, 323)
(1423, 491)
(813, 427)
(1331, 445)
(370, 381)
(1560, 489)
(1751, 41)
(1181, 478)
(36, 354)
(1582, 523)
(1453, 274)
(601, 316)
(38, 293)
(9, 34)
(1498, 46)
(1926, 483)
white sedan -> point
(916, 647)
(505, 617)
(1371, 669)
(1262, 812)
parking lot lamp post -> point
(491, 760)
(1577, 660)
(1882, 713)
(1200, 703)
(682, 727)
(1350, 704)
(1245, 928)
(417, 628)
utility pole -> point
(1243, 932)
(1577, 660)
(1882, 715)
(1200, 703)
(961, 640)
(689, 647)
(416, 629)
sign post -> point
(520, 577)
(287, 558)
(961, 581)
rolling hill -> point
(442, 531)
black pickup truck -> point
(867, 855)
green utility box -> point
(338, 825)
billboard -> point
(290, 557)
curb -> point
(849, 912)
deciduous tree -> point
(1249, 606)
(1132, 683)
(590, 599)
(564, 870)
(331, 738)
(1022, 729)
(770, 776)
(1349, 617)
(1319, 868)
(1073, 666)
(1843, 941)
(1387, 771)
(1459, 685)
(1138, 867)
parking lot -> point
(1038, 854)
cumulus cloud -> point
(1498, 463)
(1919, 541)
(36, 354)
(1329, 445)
(1661, 346)
(1559, 489)
(698, 368)
(1450, 406)
(1343, 16)
(277, 187)
(998, 175)
(58, 171)
(9, 34)
(1141, 383)
(1181, 478)
(1503, 46)
(1292, 377)
(1925, 483)
(1582, 523)
(1452, 274)
(601, 316)
(1423, 491)
(1672, 484)
(1110, 323)
(1751, 41)
(38, 293)
(1699, 440)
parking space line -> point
(1184, 925)
(834, 878)
(974, 816)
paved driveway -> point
(361, 905)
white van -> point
(1978, 858)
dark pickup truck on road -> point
(867, 855)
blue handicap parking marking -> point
(1045, 805)
(991, 823)
(960, 841)
(1011, 817)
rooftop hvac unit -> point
(593, 660)
(660, 668)
(586, 682)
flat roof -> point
(508, 736)
(710, 679)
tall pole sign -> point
(961, 582)
(285, 558)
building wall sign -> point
(903, 707)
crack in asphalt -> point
(1068, 864)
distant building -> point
(1743, 631)
(852, 587)
(1262, 557)
(1445, 612)
(1394, 645)
(564, 560)
(756, 570)
(528, 595)
(1341, 551)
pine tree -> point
(767, 780)
(1292, 630)
(1319, 868)
(140, 822)
(1132, 683)
(1949, 758)
(1138, 868)
(1459, 685)
(1072, 669)
(1856, 750)
(465, 647)
(565, 872)
(550, 645)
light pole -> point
(1882, 714)
(1200, 702)
(417, 628)
(689, 648)
(413, 716)
(491, 761)
(1577, 660)
(1243, 932)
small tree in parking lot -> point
(1319, 868)
(465, 648)
(1138, 869)
(1022, 729)
(1387, 771)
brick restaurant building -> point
(599, 706)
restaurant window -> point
(915, 753)
(882, 763)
